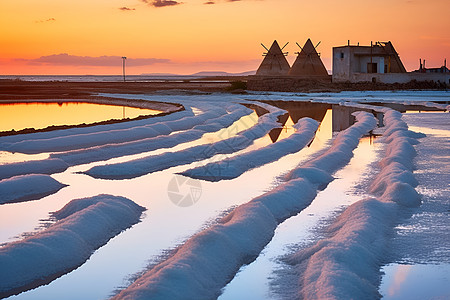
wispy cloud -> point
(65, 59)
(161, 3)
(45, 21)
(217, 1)
(124, 8)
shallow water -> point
(40, 115)
(24, 217)
(165, 225)
(259, 280)
(133, 249)
(9, 157)
(416, 282)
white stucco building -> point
(378, 62)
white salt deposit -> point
(346, 265)
(146, 165)
(59, 162)
(45, 166)
(82, 226)
(27, 187)
(92, 129)
(134, 147)
(234, 167)
(208, 260)
(85, 140)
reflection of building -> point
(341, 119)
(341, 116)
(378, 62)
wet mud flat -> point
(17, 89)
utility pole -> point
(123, 67)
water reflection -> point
(128, 252)
(332, 117)
(415, 282)
(164, 225)
(40, 115)
(9, 157)
(296, 111)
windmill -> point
(308, 62)
(274, 62)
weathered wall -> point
(341, 63)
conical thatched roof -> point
(308, 62)
(274, 62)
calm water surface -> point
(40, 115)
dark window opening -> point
(385, 69)
(374, 80)
(342, 55)
(372, 67)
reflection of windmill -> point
(274, 62)
(308, 62)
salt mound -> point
(28, 187)
(82, 226)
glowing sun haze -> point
(187, 36)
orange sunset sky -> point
(187, 36)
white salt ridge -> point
(346, 265)
(45, 166)
(82, 226)
(202, 266)
(146, 165)
(27, 187)
(105, 152)
(92, 129)
(234, 167)
(116, 136)
(332, 159)
(59, 162)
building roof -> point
(274, 62)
